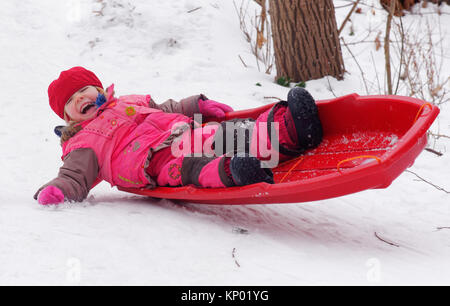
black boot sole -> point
(307, 123)
(247, 170)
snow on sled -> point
(368, 142)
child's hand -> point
(210, 108)
(50, 195)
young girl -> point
(131, 141)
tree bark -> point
(305, 38)
(401, 5)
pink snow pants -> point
(210, 170)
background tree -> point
(305, 38)
(401, 5)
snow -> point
(161, 48)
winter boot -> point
(305, 116)
(246, 170)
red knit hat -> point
(68, 83)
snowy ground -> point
(161, 48)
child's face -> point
(81, 106)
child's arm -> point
(74, 180)
(187, 106)
(198, 104)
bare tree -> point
(305, 38)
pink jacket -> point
(123, 136)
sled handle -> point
(421, 110)
(356, 157)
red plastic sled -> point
(368, 142)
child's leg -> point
(294, 126)
(203, 171)
(213, 172)
(256, 137)
(199, 171)
(233, 136)
(170, 167)
(272, 135)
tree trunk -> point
(401, 5)
(305, 38)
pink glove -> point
(50, 195)
(210, 108)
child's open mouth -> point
(87, 107)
